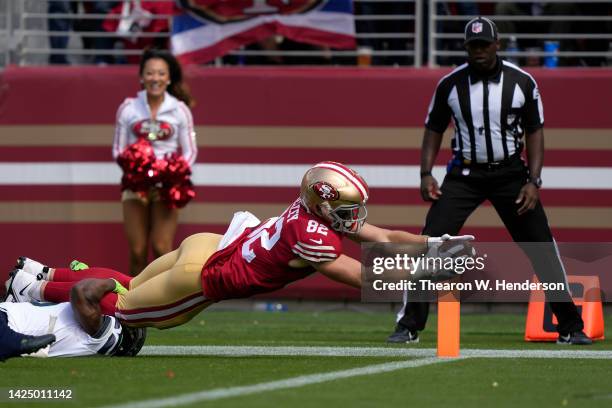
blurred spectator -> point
(374, 26)
(596, 27)
(454, 9)
(538, 27)
(280, 43)
(66, 24)
(95, 25)
(515, 26)
(323, 58)
(59, 24)
(269, 44)
(139, 17)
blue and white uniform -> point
(36, 319)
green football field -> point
(339, 359)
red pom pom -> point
(142, 170)
(157, 171)
(178, 169)
(136, 161)
(177, 189)
(177, 196)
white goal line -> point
(240, 351)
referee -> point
(493, 104)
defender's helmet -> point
(132, 340)
(336, 193)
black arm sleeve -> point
(533, 112)
(439, 113)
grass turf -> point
(500, 382)
(342, 329)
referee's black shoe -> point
(576, 338)
(403, 335)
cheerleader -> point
(157, 121)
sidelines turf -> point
(483, 381)
(343, 329)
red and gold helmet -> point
(336, 193)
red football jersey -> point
(259, 260)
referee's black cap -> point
(480, 28)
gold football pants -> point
(168, 292)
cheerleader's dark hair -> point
(177, 87)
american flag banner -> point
(207, 29)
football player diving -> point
(252, 257)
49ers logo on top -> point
(152, 130)
(326, 191)
(240, 10)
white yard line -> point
(240, 351)
(426, 356)
(564, 352)
(294, 382)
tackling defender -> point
(251, 258)
(68, 329)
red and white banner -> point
(207, 29)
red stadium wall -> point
(54, 120)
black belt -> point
(491, 165)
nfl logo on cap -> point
(480, 28)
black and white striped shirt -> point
(490, 114)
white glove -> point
(447, 237)
(449, 246)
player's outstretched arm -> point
(85, 299)
(344, 270)
(372, 233)
(422, 243)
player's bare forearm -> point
(85, 299)
(372, 233)
(403, 237)
(344, 270)
(535, 152)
